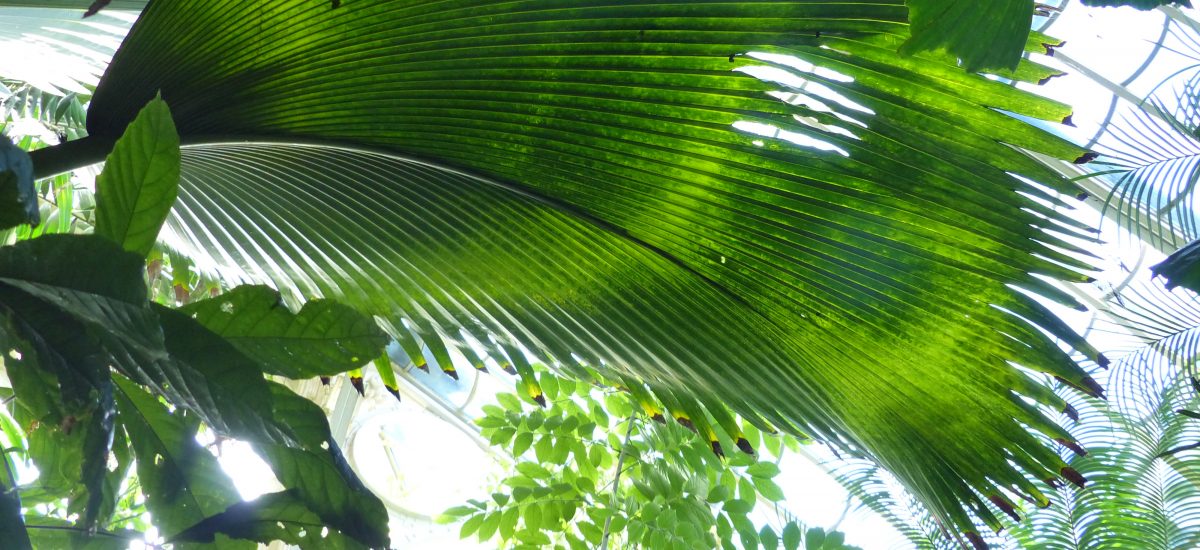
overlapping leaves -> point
(76, 308)
(848, 270)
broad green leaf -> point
(18, 197)
(768, 538)
(140, 180)
(77, 324)
(471, 525)
(488, 528)
(318, 472)
(769, 490)
(182, 481)
(586, 186)
(763, 469)
(209, 377)
(509, 401)
(738, 507)
(814, 538)
(324, 338)
(271, 517)
(508, 522)
(791, 536)
(991, 38)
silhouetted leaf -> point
(275, 516)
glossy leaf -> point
(324, 338)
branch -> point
(616, 483)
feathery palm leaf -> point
(55, 51)
(760, 203)
(1137, 498)
(1156, 193)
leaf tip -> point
(1073, 475)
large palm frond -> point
(759, 202)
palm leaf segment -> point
(848, 272)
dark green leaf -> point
(274, 516)
(814, 538)
(18, 197)
(182, 481)
(325, 338)
(140, 180)
(318, 475)
(54, 533)
(1181, 268)
(791, 536)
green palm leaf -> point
(761, 203)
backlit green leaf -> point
(140, 180)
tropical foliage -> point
(85, 346)
(789, 209)
(598, 468)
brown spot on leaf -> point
(744, 446)
(96, 7)
(1005, 506)
(717, 450)
(976, 540)
(1087, 157)
(1073, 475)
(1075, 447)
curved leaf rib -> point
(855, 209)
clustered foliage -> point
(597, 468)
(743, 216)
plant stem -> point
(70, 155)
(616, 484)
